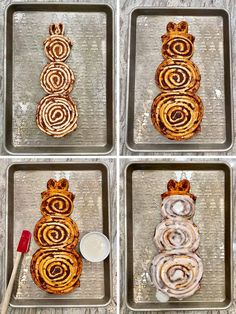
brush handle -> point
(8, 292)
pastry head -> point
(57, 46)
(177, 42)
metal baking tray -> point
(211, 183)
(212, 56)
(89, 183)
(90, 28)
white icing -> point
(162, 297)
(178, 207)
(177, 275)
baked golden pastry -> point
(178, 75)
(56, 271)
(177, 112)
(177, 115)
(57, 78)
(57, 200)
(177, 274)
(56, 267)
(56, 113)
(177, 42)
(56, 231)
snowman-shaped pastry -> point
(56, 266)
(177, 269)
(57, 113)
(177, 112)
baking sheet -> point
(90, 28)
(211, 184)
(91, 213)
(211, 55)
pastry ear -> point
(52, 184)
(182, 26)
(172, 185)
(184, 185)
(61, 28)
(56, 29)
(171, 26)
(63, 184)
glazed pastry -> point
(56, 271)
(177, 112)
(56, 113)
(177, 115)
(56, 267)
(177, 275)
(178, 206)
(176, 234)
(56, 231)
(177, 270)
(57, 78)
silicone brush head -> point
(24, 243)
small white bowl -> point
(95, 246)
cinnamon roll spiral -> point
(178, 46)
(177, 115)
(57, 46)
(56, 271)
(176, 234)
(57, 115)
(57, 78)
(175, 206)
(57, 204)
(177, 274)
(56, 231)
(178, 75)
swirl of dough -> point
(176, 234)
(178, 75)
(174, 206)
(56, 231)
(177, 115)
(57, 115)
(57, 78)
(57, 47)
(178, 46)
(56, 271)
(57, 204)
(178, 275)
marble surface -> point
(111, 164)
(126, 7)
(123, 164)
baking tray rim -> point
(87, 163)
(231, 209)
(110, 144)
(127, 105)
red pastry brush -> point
(23, 247)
